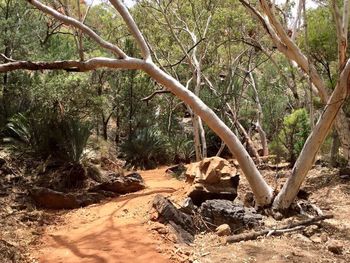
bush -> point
(64, 137)
(146, 148)
(181, 149)
(291, 139)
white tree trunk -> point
(313, 143)
(262, 191)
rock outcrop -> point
(238, 217)
(212, 178)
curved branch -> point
(154, 94)
(77, 24)
(123, 11)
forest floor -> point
(120, 230)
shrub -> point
(64, 137)
(291, 138)
(146, 148)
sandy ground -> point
(115, 231)
(119, 229)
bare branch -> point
(186, 55)
(77, 24)
(123, 11)
(154, 94)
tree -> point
(262, 191)
(288, 47)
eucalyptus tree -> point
(118, 59)
(121, 60)
(333, 112)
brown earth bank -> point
(120, 229)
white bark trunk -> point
(262, 191)
(313, 143)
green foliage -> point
(65, 138)
(181, 149)
(291, 138)
(146, 148)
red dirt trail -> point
(112, 232)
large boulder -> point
(219, 212)
(212, 178)
(123, 184)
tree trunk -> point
(261, 132)
(196, 137)
(262, 191)
(334, 149)
(313, 143)
(249, 144)
(105, 130)
(203, 139)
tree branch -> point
(77, 24)
(135, 31)
(155, 93)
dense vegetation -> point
(243, 79)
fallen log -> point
(279, 230)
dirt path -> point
(113, 232)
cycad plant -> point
(146, 148)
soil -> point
(115, 231)
(120, 229)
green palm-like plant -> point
(146, 148)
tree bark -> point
(312, 145)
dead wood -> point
(278, 230)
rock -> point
(176, 170)
(344, 173)
(192, 172)
(200, 193)
(335, 247)
(212, 178)
(160, 228)
(182, 223)
(50, 199)
(220, 212)
(345, 176)
(223, 230)
(123, 184)
(311, 230)
(316, 239)
(301, 237)
(188, 207)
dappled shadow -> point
(61, 241)
(327, 180)
(116, 236)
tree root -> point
(278, 230)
